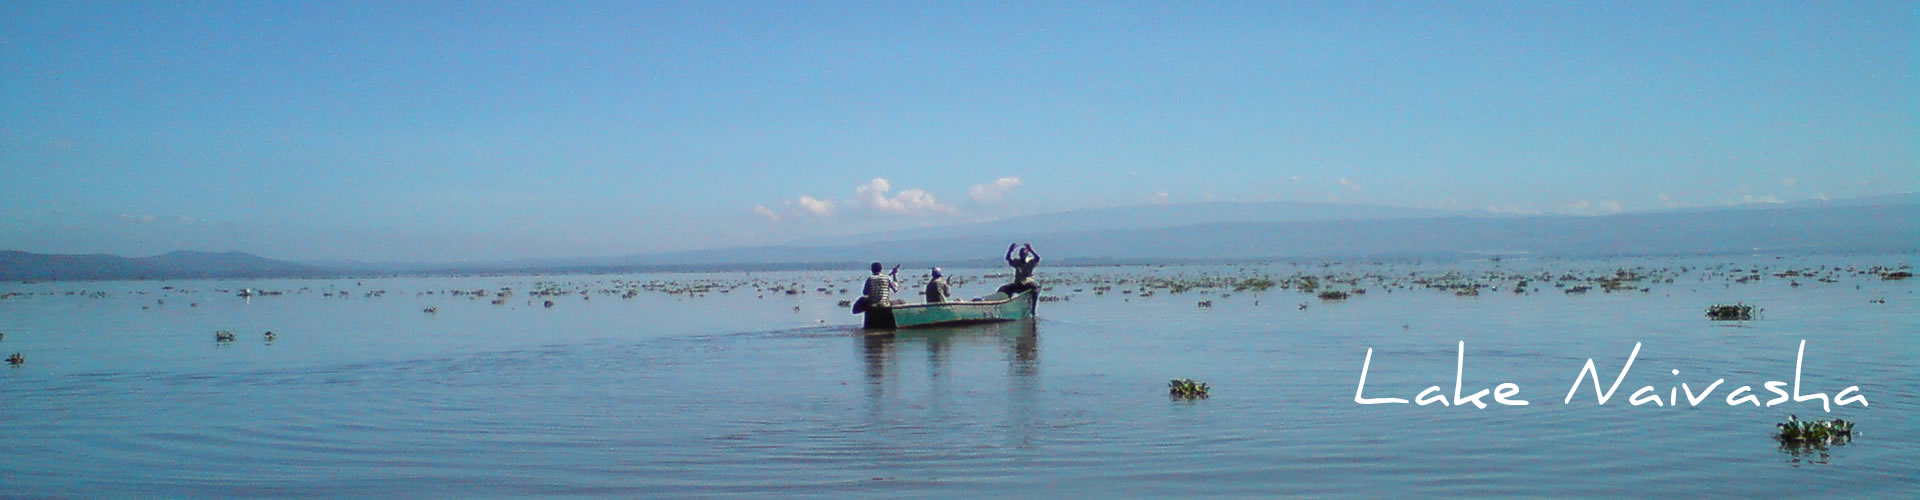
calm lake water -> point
(745, 391)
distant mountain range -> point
(1863, 228)
(18, 265)
(1162, 216)
(1215, 231)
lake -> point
(727, 385)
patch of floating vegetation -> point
(1259, 284)
(1795, 430)
(1219, 285)
(1730, 312)
(16, 359)
(1186, 388)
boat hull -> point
(991, 308)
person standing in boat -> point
(1022, 269)
(937, 289)
(879, 290)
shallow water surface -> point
(742, 389)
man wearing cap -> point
(937, 289)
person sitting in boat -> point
(1022, 269)
(879, 290)
(937, 289)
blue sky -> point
(461, 131)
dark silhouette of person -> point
(1022, 269)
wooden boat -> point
(996, 307)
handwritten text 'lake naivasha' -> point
(1505, 393)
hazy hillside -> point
(1846, 228)
(1881, 224)
(1161, 216)
(18, 265)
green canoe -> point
(994, 307)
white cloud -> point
(906, 202)
(1512, 209)
(878, 184)
(1765, 198)
(815, 207)
(1159, 198)
(804, 206)
(1584, 207)
(768, 213)
(156, 219)
(993, 191)
(876, 195)
(139, 218)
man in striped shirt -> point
(880, 287)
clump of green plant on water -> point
(1730, 312)
(1814, 432)
(1186, 388)
(1259, 284)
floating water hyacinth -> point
(1730, 312)
(1814, 432)
(1186, 388)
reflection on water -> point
(938, 380)
(1018, 340)
(1810, 452)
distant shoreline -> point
(855, 265)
